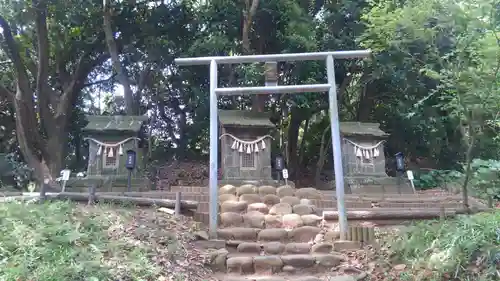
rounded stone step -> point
(279, 248)
(302, 234)
(272, 278)
(239, 263)
(293, 277)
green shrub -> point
(436, 179)
(467, 247)
(485, 179)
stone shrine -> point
(109, 138)
(363, 149)
(245, 145)
(364, 161)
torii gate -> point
(331, 87)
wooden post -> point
(442, 213)
(349, 234)
(371, 234)
(177, 204)
(354, 233)
(366, 238)
(359, 229)
(92, 189)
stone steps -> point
(279, 232)
(246, 264)
(295, 257)
(269, 230)
(288, 277)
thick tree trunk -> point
(293, 137)
(41, 123)
(323, 152)
(366, 102)
(57, 146)
(250, 10)
(258, 101)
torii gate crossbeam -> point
(331, 87)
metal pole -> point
(214, 139)
(337, 153)
(287, 89)
(274, 57)
(129, 181)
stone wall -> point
(231, 159)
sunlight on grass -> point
(467, 247)
(63, 241)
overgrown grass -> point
(61, 241)
(465, 248)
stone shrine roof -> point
(114, 123)
(361, 129)
(244, 118)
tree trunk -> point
(183, 139)
(303, 143)
(56, 144)
(41, 123)
(470, 140)
(293, 136)
(250, 10)
(115, 59)
(258, 101)
(366, 103)
(323, 152)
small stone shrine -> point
(364, 160)
(363, 149)
(109, 138)
(245, 145)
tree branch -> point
(12, 49)
(113, 51)
(248, 15)
(46, 117)
(97, 82)
(71, 91)
(26, 121)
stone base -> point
(256, 182)
(118, 183)
(370, 184)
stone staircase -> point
(269, 233)
(276, 234)
(322, 200)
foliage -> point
(22, 173)
(436, 178)
(431, 58)
(486, 178)
(467, 247)
(60, 241)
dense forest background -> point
(432, 82)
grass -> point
(466, 248)
(64, 241)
